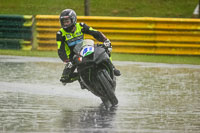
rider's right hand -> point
(68, 65)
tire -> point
(107, 87)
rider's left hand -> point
(107, 43)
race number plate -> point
(87, 50)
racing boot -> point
(65, 78)
(68, 70)
(116, 71)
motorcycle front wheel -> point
(107, 87)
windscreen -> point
(79, 46)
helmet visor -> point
(66, 21)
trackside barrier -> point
(16, 32)
(144, 35)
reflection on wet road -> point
(152, 98)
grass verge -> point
(128, 8)
(170, 59)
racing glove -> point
(107, 44)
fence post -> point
(199, 9)
(87, 7)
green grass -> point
(130, 8)
(29, 53)
(170, 59)
(116, 57)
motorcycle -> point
(95, 70)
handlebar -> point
(107, 49)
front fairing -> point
(84, 48)
(90, 60)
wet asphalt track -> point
(153, 98)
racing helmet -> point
(68, 19)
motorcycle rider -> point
(71, 34)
